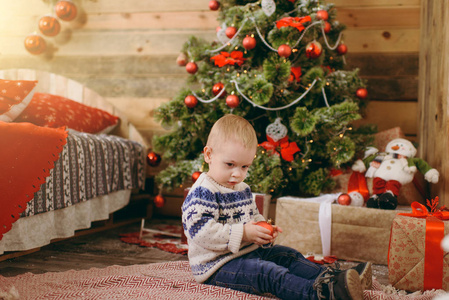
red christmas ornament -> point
(216, 89)
(342, 49)
(181, 60)
(190, 101)
(230, 32)
(361, 93)
(284, 50)
(344, 199)
(35, 44)
(266, 225)
(327, 27)
(249, 42)
(313, 50)
(159, 201)
(232, 101)
(191, 67)
(214, 5)
(66, 10)
(153, 159)
(49, 26)
(195, 175)
(322, 15)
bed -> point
(64, 176)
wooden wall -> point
(126, 51)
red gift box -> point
(416, 261)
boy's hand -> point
(258, 234)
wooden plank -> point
(389, 114)
(379, 17)
(390, 88)
(434, 93)
(387, 65)
(363, 3)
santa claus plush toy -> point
(391, 170)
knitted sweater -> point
(213, 217)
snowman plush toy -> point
(391, 170)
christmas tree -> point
(279, 64)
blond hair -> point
(231, 127)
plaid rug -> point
(170, 280)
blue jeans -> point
(279, 270)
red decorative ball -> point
(181, 60)
(342, 49)
(232, 101)
(344, 199)
(190, 101)
(249, 42)
(159, 201)
(314, 50)
(195, 175)
(153, 159)
(327, 27)
(284, 50)
(230, 32)
(214, 5)
(35, 44)
(66, 10)
(191, 67)
(216, 89)
(266, 225)
(49, 26)
(361, 93)
(322, 15)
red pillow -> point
(55, 111)
(15, 95)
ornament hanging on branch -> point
(190, 101)
(342, 49)
(49, 26)
(181, 60)
(191, 67)
(153, 159)
(232, 101)
(361, 93)
(214, 5)
(159, 201)
(35, 44)
(230, 32)
(66, 10)
(322, 15)
(268, 7)
(314, 50)
(277, 141)
(284, 51)
(195, 176)
(217, 88)
(249, 42)
(327, 27)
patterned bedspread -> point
(90, 166)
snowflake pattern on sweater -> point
(213, 217)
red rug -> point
(171, 280)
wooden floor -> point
(104, 249)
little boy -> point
(219, 216)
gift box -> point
(416, 261)
(348, 232)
